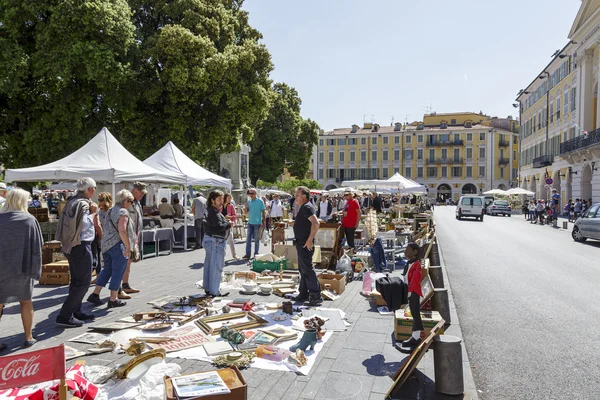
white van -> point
(470, 206)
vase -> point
(309, 339)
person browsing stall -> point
(350, 217)
(76, 233)
(257, 211)
(216, 230)
(413, 280)
(306, 226)
(20, 258)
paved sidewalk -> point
(356, 364)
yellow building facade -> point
(452, 154)
(560, 129)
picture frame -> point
(326, 237)
(427, 289)
(248, 319)
(407, 368)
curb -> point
(454, 329)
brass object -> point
(126, 368)
(255, 322)
(298, 358)
(135, 347)
(240, 359)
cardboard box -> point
(289, 252)
(334, 282)
(403, 323)
(233, 379)
(378, 298)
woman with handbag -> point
(216, 230)
(117, 238)
(231, 216)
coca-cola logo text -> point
(20, 368)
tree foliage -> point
(190, 71)
(289, 185)
(284, 139)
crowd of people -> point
(544, 212)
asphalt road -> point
(527, 298)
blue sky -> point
(393, 58)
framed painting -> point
(236, 320)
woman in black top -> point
(216, 230)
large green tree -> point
(202, 77)
(190, 71)
(284, 139)
(62, 62)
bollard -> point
(440, 303)
(434, 255)
(437, 276)
(565, 225)
(447, 364)
(555, 223)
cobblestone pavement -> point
(356, 364)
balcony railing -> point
(543, 161)
(447, 143)
(580, 142)
(504, 143)
(445, 160)
(503, 161)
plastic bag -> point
(344, 264)
(265, 237)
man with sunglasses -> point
(256, 211)
(76, 233)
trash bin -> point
(447, 360)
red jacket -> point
(414, 278)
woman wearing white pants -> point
(228, 211)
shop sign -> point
(33, 367)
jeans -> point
(309, 283)
(213, 263)
(252, 230)
(199, 226)
(115, 264)
(80, 267)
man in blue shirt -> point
(555, 203)
(256, 210)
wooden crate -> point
(55, 274)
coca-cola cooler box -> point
(56, 273)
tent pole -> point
(185, 226)
(113, 191)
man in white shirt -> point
(3, 193)
(324, 209)
(276, 208)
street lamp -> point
(480, 185)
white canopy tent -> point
(519, 191)
(397, 181)
(171, 160)
(103, 158)
(496, 191)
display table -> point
(161, 238)
(178, 234)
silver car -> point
(499, 207)
(588, 225)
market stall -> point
(170, 160)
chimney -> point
(398, 126)
(354, 128)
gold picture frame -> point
(253, 321)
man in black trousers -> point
(76, 233)
(306, 226)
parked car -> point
(588, 225)
(499, 207)
(487, 201)
(470, 206)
